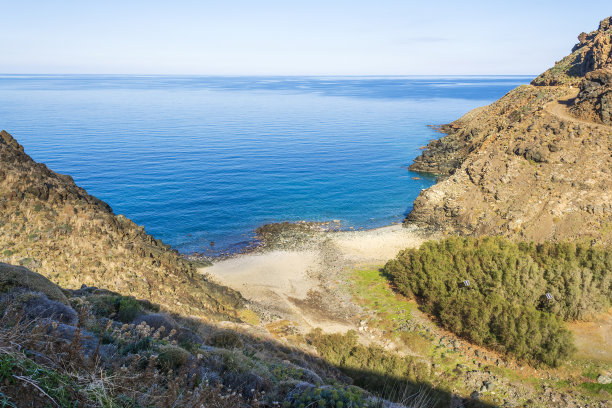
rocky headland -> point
(54, 227)
(535, 164)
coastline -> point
(289, 235)
(303, 281)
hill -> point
(55, 228)
(536, 163)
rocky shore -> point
(535, 164)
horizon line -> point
(268, 75)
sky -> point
(290, 37)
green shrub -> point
(129, 308)
(172, 357)
(505, 305)
(327, 396)
(104, 305)
(226, 339)
(137, 346)
(57, 385)
(372, 367)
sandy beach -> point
(305, 285)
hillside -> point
(55, 228)
(536, 163)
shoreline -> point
(304, 282)
(287, 235)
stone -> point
(604, 379)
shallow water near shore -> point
(208, 159)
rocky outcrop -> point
(594, 101)
(593, 52)
(536, 164)
(55, 228)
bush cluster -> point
(328, 396)
(373, 368)
(504, 304)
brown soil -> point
(594, 338)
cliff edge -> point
(535, 164)
(53, 227)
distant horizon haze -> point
(276, 38)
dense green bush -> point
(129, 308)
(505, 304)
(385, 373)
(327, 396)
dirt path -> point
(559, 109)
(305, 286)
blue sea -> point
(208, 159)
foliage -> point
(14, 276)
(505, 304)
(327, 396)
(18, 371)
(389, 374)
(372, 291)
(226, 339)
(129, 308)
(172, 357)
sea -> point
(202, 161)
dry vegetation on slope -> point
(54, 227)
(536, 164)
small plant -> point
(171, 357)
(129, 308)
(226, 339)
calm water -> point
(201, 159)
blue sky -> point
(264, 37)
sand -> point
(280, 282)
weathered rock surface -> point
(55, 228)
(535, 164)
(594, 101)
(593, 52)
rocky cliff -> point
(55, 228)
(535, 164)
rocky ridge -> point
(535, 164)
(55, 228)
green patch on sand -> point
(371, 290)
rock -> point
(498, 177)
(38, 306)
(604, 379)
(82, 233)
(488, 386)
(475, 395)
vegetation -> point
(389, 374)
(104, 349)
(503, 303)
(349, 397)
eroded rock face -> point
(535, 164)
(55, 228)
(593, 52)
(594, 101)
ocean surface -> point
(208, 159)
